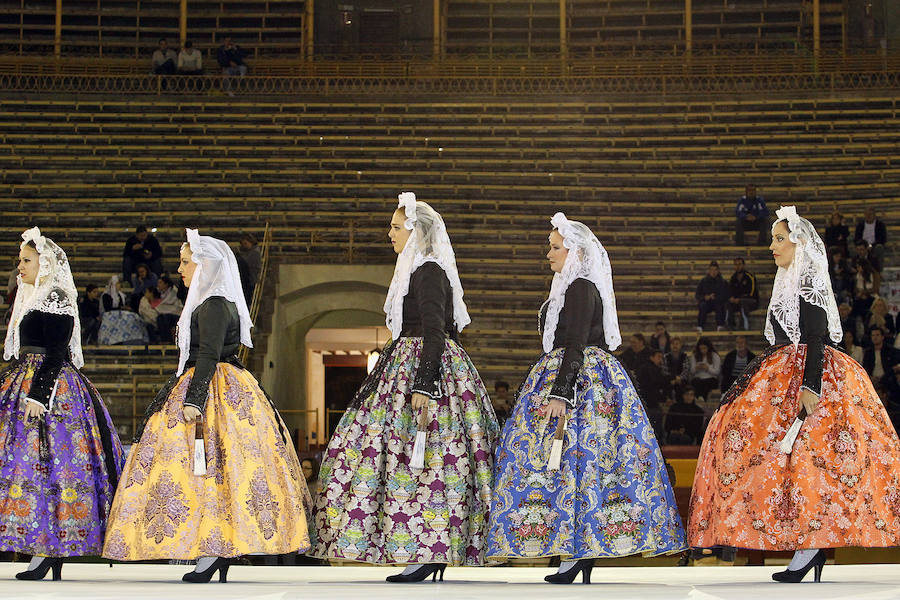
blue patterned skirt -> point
(611, 496)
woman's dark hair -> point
(703, 341)
(143, 266)
(153, 292)
(89, 288)
(188, 44)
(31, 244)
(166, 279)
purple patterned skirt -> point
(58, 473)
(373, 506)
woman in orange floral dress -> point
(837, 483)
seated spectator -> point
(735, 362)
(169, 309)
(881, 362)
(850, 348)
(677, 364)
(231, 58)
(850, 322)
(868, 282)
(752, 214)
(712, 295)
(637, 354)
(148, 312)
(879, 316)
(501, 401)
(143, 278)
(164, 59)
(653, 384)
(685, 420)
(190, 60)
(704, 368)
(118, 324)
(744, 297)
(250, 251)
(310, 468)
(89, 314)
(837, 235)
(873, 232)
(842, 277)
(660, 338)
(141, 248)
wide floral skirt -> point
(373, 506)
(840, 486)
(611, 495)
(58, 472)
(252, 499)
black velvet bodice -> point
(813, 333)
(53, 333)
(580, 324)
(215, 338)
(428, 313)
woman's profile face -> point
(29, 265)
(186, 266)
(557, 253)
(782, 247)
(398, 233)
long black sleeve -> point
(429, 287)
(815, 331)
(579, 308)
(57, 330)
(212, 325)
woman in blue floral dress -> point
(608, 494)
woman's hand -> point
(191, 414)
(808, 400)
(419, 400)
(33, 410)
(555, 408)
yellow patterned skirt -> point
(253, 498)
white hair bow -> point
(562, 225)
(407, 201)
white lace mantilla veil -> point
(428, 242)
(55, 293)
(216, 275)
(806, 277)
(587, 259)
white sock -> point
(802, 558)
(36, 562)
(205, 562)
(565, 565)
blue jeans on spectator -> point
(707, 306)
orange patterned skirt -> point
(840, 486)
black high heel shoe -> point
(220, 564)
(585, 566)
(419, 574)
(817, 563)
(40, 571)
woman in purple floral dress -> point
(378, 503)
(60, 457)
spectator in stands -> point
(677, 363)
(879, 316)
(501, 401)
(118, 325)
(704, 367)
(143, 278)
(653, 385)
(164, 59)
(868, 281)
(712, 295)
(873, 231)
(190, 60)
(168, 309)
(310, 468)
(89, 313)
(735, 362)
(850, 348)
(636, 355)
(880, 360)
(752, 214)
(11, 287)
(660, 339)
(249, 251)
(684, 423)
(744, 297)
(231, 59)
(142, 247)
(850, 322)
(837, 235)
(148, 312)
(842, 278)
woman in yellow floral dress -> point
(244, 493)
